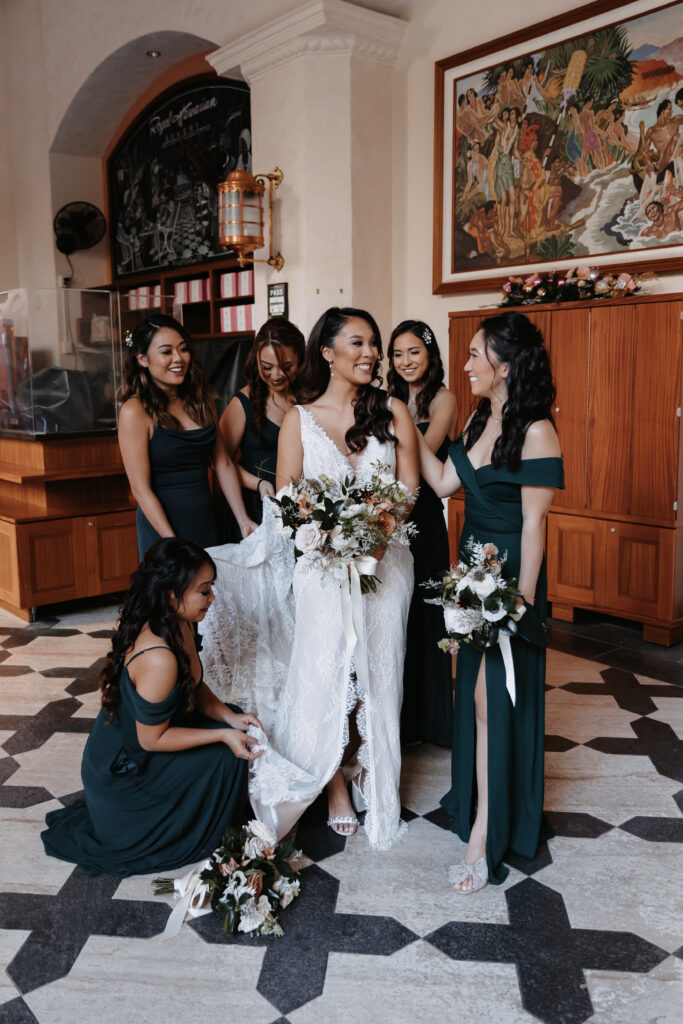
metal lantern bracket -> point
(233, 233)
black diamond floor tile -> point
(576, 825)
(655, 830)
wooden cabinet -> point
(67, 522)
(615, 534)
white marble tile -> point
(670, 710)
(564, 668)
(425, 776)
(151, 981)
(27, 694)
(7, 619)
(10, 943)
(619, 882)
(582, 716)
(24, 866)
(417, 985)
(410, 881)
(654, 998)
(91, 704)
(77, 651)
(612, 787)
(55, 765)
(4, 733)
(89, 619)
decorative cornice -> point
(320, 27)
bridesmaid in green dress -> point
(416, 377)
(164, 769)
(250, 425)
(169, 439)
(508, 461)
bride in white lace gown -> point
(285, 653)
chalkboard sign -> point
(163, 175)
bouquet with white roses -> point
(478, 602)
(340, 523)
(247, 879)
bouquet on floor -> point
(247, 879)
(340, 524)
(478, 602)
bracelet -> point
(262, 480)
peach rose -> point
(387, 522)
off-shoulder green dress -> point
(147, 811)
(493, 512)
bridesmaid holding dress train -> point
(508, 461)
(416, 377)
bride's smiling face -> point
(355, 352)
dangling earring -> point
(329, 363)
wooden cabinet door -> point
(52, 561)
(462, 330)
(111, 551)
(575, 555)
(9, 564)
(456, 521)
(610, 397)
(639, 570)
(570, 333)
(656, 398)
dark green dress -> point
(427, 712)
(179, 463)
(147, 811)
(258, 455)
(493, 512)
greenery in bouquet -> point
(337, 523)
(477, 600)
(249, 877)
(570, 286)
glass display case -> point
(59, 362)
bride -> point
(286, 650)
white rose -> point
(262, 832)
(287, 890)
(351, 511)
(461, 620)
(484, 587)
(254, 848)
(307, 537)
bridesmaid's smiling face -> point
(197, 597)
(167, 359)
(277, 374)
(410, 357)
(487, 375)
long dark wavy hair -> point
(372, 416)
(138, 382)
(514, 340)
(433, 378)
(166, 571)
(278, 333)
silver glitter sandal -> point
(478, 872)
(344, 819)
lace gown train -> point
(281, 652)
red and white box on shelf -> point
(196, 290)
(237, 318)
(237, 283)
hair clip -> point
(128, 338)
(426, 336)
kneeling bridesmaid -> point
(165, 766)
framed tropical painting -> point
(562, 144)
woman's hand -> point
(265, 489)
(242, 721)
(241, 745)
(247, 526)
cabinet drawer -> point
(52, 561)
(575, 556)
(639, 571)
(111, 551)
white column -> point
(321, 109)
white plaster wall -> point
(9, 275)
(80, 179)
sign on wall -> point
(163, 175)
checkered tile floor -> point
(588, 931)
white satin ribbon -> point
(506, 651)
(353, 619)
(194, 901)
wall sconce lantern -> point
(241, 215)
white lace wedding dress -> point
(279, 650)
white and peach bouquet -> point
(478, 602)
(339, 524)
(247, 879)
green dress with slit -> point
(493, 513)
(145, 811)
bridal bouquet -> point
(247, 879)
(342, 523)
(478, 602)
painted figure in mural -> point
(663, 221)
